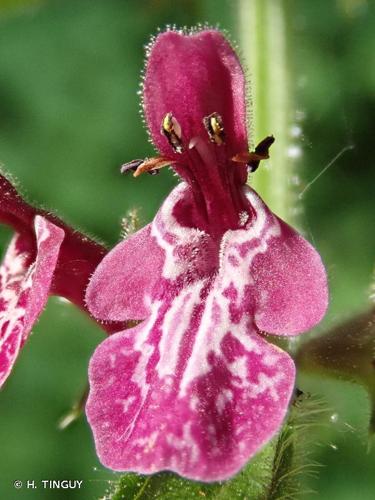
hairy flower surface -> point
(44, 257)
(24, 287)
(194, 388)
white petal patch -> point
(24, 287)
(237, 250)
(176, 320)
(223, 398)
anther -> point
(172, 131)
(252, 159)
(215, 129)
(131, 166)
(149, 165)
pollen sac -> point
(131, 166)
(150, 166)
(172, 131)
(261, 153)
(253, 158)
(215, 129)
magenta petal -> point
(290, 279)
(193, 389)
(120, 287)
(149, 411)
(192, 76)
(25, 287)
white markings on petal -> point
(24, 287)
(41, 230)
(170, 234)
(12, 275)
(126, 403)
(237, 250)
(148, 442)
(185, 444)
(176, 321)
(244, 217)
(194, 403)
(223, 398)
(15, 278)
(112, 359)
(139, 376)
(270, 359)
(239, 370)
(266, 383)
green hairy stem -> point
(263, 39)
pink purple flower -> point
(195, 387)
(45, 257)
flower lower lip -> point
(198, 357)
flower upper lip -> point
(194, 91)
(194, 105)
(192, 77)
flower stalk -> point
(263, 40)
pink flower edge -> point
(120, 285)
(24, 287)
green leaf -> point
(252, 480)
(346, 352)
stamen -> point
(172, 131)
(252, 159)
(149, 165)
(131, 165)
(215, 129)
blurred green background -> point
(69, 117)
